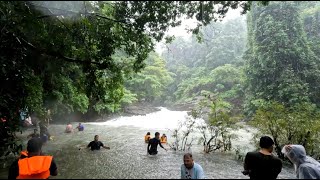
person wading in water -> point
(153, 144)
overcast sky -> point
(189, 23)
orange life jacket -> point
(147, 138)
(35, 167)
(163, 139)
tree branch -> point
(110, 19)
(56, 54)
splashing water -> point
(128, 157)
(161, 120)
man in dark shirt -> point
(34, 149)
(154, 142)
(96, 144)
(262, 164)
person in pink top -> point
(69, 128)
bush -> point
(298, 124)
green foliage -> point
(296, 125)
(311, 16)
(226, 80)
(151, 82)
(59, 41)
(223, 43)
(128, 98)
(280, 64)
(212, 65)
(216, 133)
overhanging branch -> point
(56, 54)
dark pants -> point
(153, 152)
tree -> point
(216, 133)
(296, 125)
(221, 43)
(280, 64)
(152, 81)
(60, 55)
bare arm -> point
(162, 146)
(106, 147)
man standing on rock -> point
(154, 142)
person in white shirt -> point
(190, 169)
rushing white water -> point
(165, 119)
(160, 120)
(128, 157)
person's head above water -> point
(148, 133)
(157, 135)
(188, 160)
(96, 138)
(266, 143)
(34, 146)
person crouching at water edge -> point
(96, 144)
(190, 169)
(153, 143)
(147, 137)
(32, 164)
(305, 166)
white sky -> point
(190, 23)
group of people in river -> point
(33, 164)
(45, 135)
(163, 138)
(69, 128)
(154, 142)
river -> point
(128, 157)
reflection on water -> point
(128, 157)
